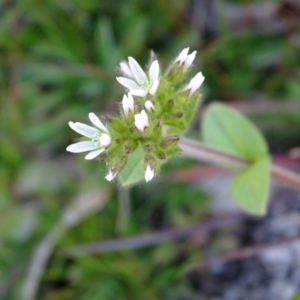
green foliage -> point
(250, 188)
(134, 169)
(228, 131)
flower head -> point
(141, 121)
(149, 173)
(128, 104)
(136, 80)
(194, 84)
(151, 121)
(184, 59)
(98, 137)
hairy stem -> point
(202, 152)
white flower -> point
(141, 121)
(98, 137)
(149, 173)
(184, 59)
(149, 106)
(136, 80)
(128, 104)
(194, 84)
(110, 175)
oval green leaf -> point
(133, 171)
(250, 187)
(227, 130)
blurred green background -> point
(58, 62)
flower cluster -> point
(155, 113)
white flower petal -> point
(194, 84)
(128, 104)
(128, 83)
(105, 140)
(94, 154)
(125, 69)
(137, 71)
(83, 129)
(141, 120)
(96, 121)
(149, 173)
(189, 60)
(125, 105)
(81, 147)
(154, 87)
(182, 55)
(138, 92)
(154, 71)
(110, 175)
(149, 106)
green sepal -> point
(191, 107)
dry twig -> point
(150, 239)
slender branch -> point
(145, 240)
(285, 176)
(241, 253)
(38, 262)
(195, 149)
(79, 209)
(124, 209)
(199, 151)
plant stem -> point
(202, 152)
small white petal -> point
(154, 87)
(96, 121)
(125, 69)
(154, 71)
(94, 154)
(189, 60)
(194, 84)
(83, 129)
(141, 121)
(72, 125)
(128, 83)
(105, 140)
(110, 175)
(149, 106)
(149, 173)
(182, 55)
(125, 105)
(137, 71)
(138, 92)
(81, 147)
(128, 104)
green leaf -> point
(296, 297)
(250, 187)
(134, 169)
(227, 130)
